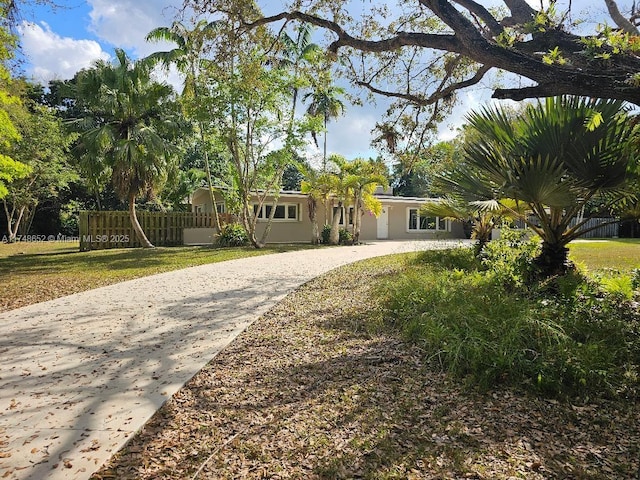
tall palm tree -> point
(126, 128)
(554, 158)
(187, 56)
(325, 102)
(296, 52)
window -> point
(284, 212)
(420, 223)
(335, 209)
(200, 208)
(220, 207)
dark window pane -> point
(431, 223)
(292, 212)
(267, 211)
(413, 219)
(279, 212)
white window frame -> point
(263, 216)
(439, 227)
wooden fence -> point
(603, 231)
(112, 229)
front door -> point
(383, 224)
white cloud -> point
(126, 23)
(55, 57)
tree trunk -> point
(324, 157)
(12, 228)
(313, 216)
(553, 260)
(142, 238)
(209, 180)
(334, 236)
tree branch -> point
(620, 20)
(483, 14)
(401, 39)
(521, 12)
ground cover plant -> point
(484, 321)
(32, 272)
(326, 386)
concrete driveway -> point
(81, 374)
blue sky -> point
(59, 42)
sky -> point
(59, 42)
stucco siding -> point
(286, 230)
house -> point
(400, 219)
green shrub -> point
(233, 235)
(326, 234)
(510, 257)
(345, 236)
(620, 286)
(635, 278)
(580, 341)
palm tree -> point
(552, 159)
(187, 57)
(126, 128)
(324, 102)
(483, 218)
(297, 52)
(363, 177)
(315, 185)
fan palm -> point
(126, 128)
(553, 158)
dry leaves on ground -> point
(308, 392)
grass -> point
(38, 271)
(607, 256)
(570, 337)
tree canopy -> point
(421, 53)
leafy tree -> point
(536, 43)
(188, 57)
(552, 159)
(43, 146)
(292, 177)
(127, 129)
(248, 101)
(422, 54)
(10, 169)
(317, 186)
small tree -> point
(363, 177)
(43, 147)
(553, 159)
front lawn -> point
(620, 255)
(32, 272)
